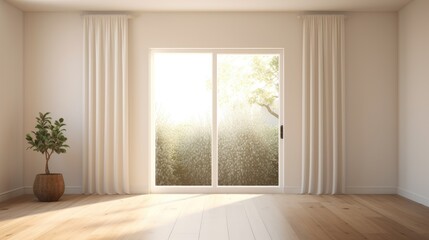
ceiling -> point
(209, 5)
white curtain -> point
(105, 140)
(323, 148)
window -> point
(216, 119)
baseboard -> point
(292, 190)
(370, 190)
(67, 190)
(11, 194)
(73, 190)
(351, 190)
(413, 196)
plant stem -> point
(48, 156)
(47, 168)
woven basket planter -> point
(49, 187)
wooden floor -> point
(217, 217)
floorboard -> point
(215, 217)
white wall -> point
(11, 95)
(53, 83)
(414, 101)
(371, 102)
(371, 84)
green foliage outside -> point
(183, 154)
(248, 155)
(265, 78)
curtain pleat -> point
(105, 150)
(323, 116)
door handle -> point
(281, 131)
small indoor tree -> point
(48, 137)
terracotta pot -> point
(48, 187)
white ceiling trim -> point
(209, 5)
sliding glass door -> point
(216, 117)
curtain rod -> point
(130, 16)
(301, 16)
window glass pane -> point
(183, 112)
(248, 116)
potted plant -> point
(48, 138)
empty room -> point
(214, 119)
